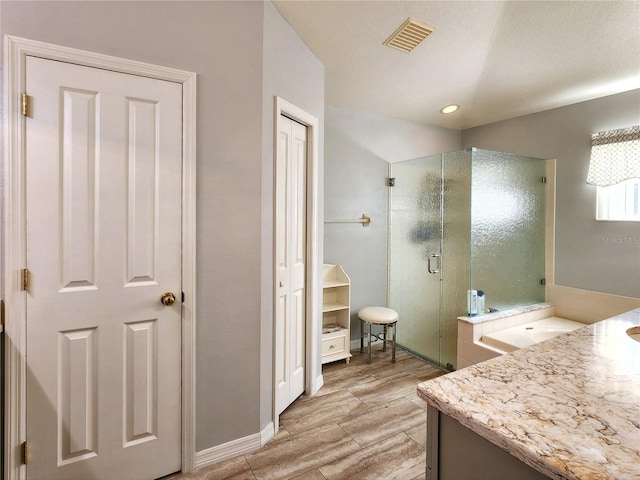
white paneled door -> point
(103, 208)
(291, 204)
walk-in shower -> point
(471, 220)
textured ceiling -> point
(497, 60)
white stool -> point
(379, 316)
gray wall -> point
(589, 254)
(293, 73)
(223, 43)
(358, 149)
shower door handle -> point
(429, 267)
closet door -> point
(290, 212)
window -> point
(619, 202)
(615, 169)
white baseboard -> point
(240, 446)
(319, 384)
(267, 433)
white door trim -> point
(313, 373)
(16, 50)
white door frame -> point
(16, 50)
(312, 370)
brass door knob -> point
(168, 299)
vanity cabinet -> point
(335, 314)
(456, 453)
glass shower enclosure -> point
(462, 221)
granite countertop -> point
(487, 317)
(568, 407)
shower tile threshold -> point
(366, 422)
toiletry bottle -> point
(480, 302)
(472, 302)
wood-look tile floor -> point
(366, 422)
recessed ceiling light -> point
(449, 108)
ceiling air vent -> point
(409, 35)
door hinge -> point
(391, 181)
(543, 281)
(543, 179)
(25, 279)
(24, 453)
(25, 104)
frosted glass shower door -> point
(415, 245)
(456, 239)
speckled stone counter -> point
(569, 407)
(488, 317)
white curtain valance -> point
(615, 156)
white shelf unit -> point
(336, 297)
